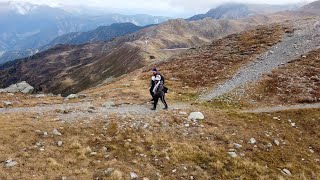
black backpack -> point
(162, 78)
(165, 89)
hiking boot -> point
(153, 109)
(165, 108)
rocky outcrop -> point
(22, 87)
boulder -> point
(133, 175)
(252, 141)
(233, 154)
(196, 116)
(286, 172)
(10, 163)
(56, 132)
(72, 96)
(22, 87)
(109, 104)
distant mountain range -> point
(25, 27)
(102, 33)
(69, 69)
(239, 10)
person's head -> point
(154, 71)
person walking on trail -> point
(158, 89)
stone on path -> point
(196, 116)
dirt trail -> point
(85, 110)
(284, 108)
(292, 46)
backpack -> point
(165, 89)
(162, 78)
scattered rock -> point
(40, 96)
(276, 142)
(56, 132)
(196, 116)
(133, 175)
(269, 145)
(72, 96)
(183, 113)
(109, 171)
(276, 118)
(187, 125)
(126, 85)
(7, 103)
(91, 111)
(233, 154)
(174, 170)
(238, 146)
(60, 143)
(10, 163)
(293, 124)
(109, 104)
(252, 141)
(286, 172)
(93, 153)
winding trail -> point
(292, 47)
(85, 110)
(284, 108)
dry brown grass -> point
(298, 82)
(167, 146)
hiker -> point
(157, 89)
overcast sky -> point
(155, 7)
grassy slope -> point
(298, 82)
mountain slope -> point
(66, 69)
(103, 33)
(313, 8)
(25, 27)
(226, 11)
(163, 41)
(238, 10)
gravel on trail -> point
(85, 110)
(283, 108)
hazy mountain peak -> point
(22, 8)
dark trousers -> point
(151, 93)
(156, 100)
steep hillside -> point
(68, 69)
(313, 8)
(207, 65)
